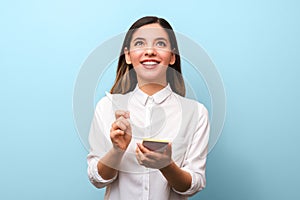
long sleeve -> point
(195, 159)
(99, 144)
(93, 174)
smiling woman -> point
(150, 54)
(126, 79)
(151, 90)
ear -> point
(127, 56)
(173, 58)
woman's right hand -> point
(120, 132)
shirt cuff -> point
(196, 185)
(95, 176)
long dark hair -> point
(126, 79)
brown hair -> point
(126, 79)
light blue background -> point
(254, 44)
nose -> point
(150, 51)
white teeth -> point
(150, 63)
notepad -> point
(155, 144)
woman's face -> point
(150, 54)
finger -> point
(143, 149)
(116, 133)
(168, 150)
(127, 115)
(120, 113)
(121, 125)
(124, 121)
(138, 155)
(114, 126)
(127, 127)
(118, 125)
(153, 155)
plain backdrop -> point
(254, 44)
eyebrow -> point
(159, 38)
(138, 38)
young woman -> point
(147, 101)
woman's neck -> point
(152, 88)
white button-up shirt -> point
(164, 115)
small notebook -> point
(155, 144)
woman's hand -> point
(152, 159)
(120, 132)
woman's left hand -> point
(152, 159)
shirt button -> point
(151, 100)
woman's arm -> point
(103, 171)
(120, 135)
(190, 177)
(179, 179)
(108, 165)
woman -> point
(147, 101)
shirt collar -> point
(158, 97)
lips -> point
(149, 64)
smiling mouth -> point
(150, 63)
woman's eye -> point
(161, 44)
(138, 43)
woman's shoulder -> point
(104, 101)
(110, 100)
(192, 104)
